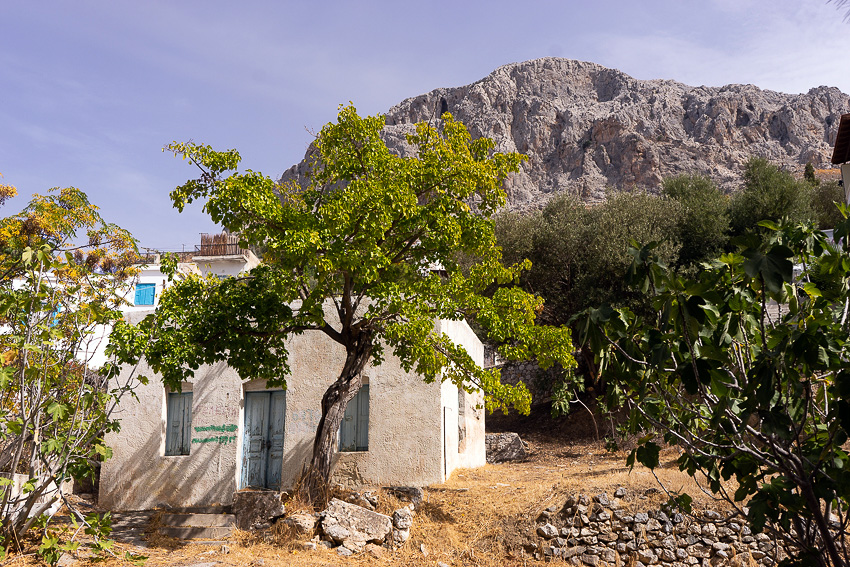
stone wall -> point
(539, 382)
(598, 530)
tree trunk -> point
(827, 539)
(314, 485)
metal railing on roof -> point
(219, 245)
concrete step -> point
(198, 520)
(220, 509)
(193, 532)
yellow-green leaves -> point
(375, 234)
(57, 295)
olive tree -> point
(768, 193)
(703, 224)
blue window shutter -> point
(178, 425)
(362, 436)
(346, 428)
(145, 293)
(354, 429)
(172, 426)
(186, 418)
(55, 319)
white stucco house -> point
(222, 434)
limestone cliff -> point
(586, 127)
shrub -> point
(825, 198)
(769, 194)
(703, 226)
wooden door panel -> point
(256, 427)
(276, 434)
(262, 453)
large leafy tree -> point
(368, 253)
(64, 273)
(744, 366)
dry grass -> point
(833, 174)
(479, 517)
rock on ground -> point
(503, 447)
(342, 521)
(257, 508)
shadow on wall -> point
(149, 480)
(144, 478)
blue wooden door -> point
(262, 442)
(274, 462)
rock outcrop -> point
(586, 127)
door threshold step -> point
(215, 509)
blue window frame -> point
(354, 429)
(145, 293)
(178, 425)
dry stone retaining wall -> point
(592, 531)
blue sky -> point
(92, 90)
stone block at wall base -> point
(257, 508)
(503, 447)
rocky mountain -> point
(586, 127)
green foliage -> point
(579, 255)
(704, 222)
(367, 253)
(58, 540)
(809, 174)
(55, 298)
(744, 367)
(769, 194)
(825, 200)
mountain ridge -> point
(586, 127)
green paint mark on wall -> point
(226, 428)
(221, 439)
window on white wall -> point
(354, 429)
(178, 424)
(145, 293)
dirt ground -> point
(479, 517)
